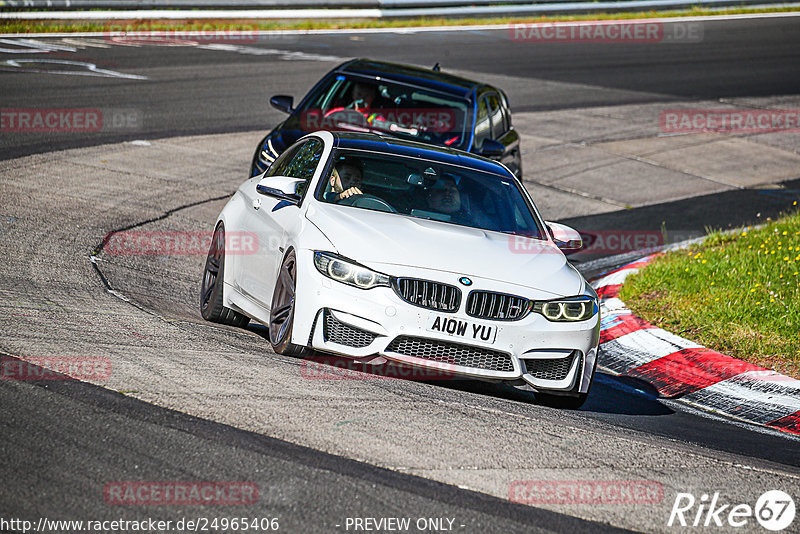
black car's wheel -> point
(211, 307)
(282, 310)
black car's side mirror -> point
(282, 102)
(491, 148)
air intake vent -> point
(428, 294)
(497, 306)
(452, 353)
(550, 368)
(343, 334)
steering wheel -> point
(346, 116)
(368, 201)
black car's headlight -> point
(567, 310)
(268, 152)
(348, 272)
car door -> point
(269, 217)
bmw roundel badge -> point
(466, 281)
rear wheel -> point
(282, 310)
(211, 307)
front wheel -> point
(281, 317)
(211, 307)
(563, 402)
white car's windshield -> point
(365, 105)
(428, 190)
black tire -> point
(281, 319)
(211, 300)
(564, 402)
(567, 402)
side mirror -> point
(282, 187)
(566, 238)
(491, 148)
(283, 103)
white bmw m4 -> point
(379, 249)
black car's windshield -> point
(365, 105)
(428, 190)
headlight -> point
(567, 310)
(268, 153)
(348, 272)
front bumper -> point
(336, 318)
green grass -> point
(56, 26)
(737, 293)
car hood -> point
(378, 239)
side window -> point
(278, 168)
(499, 127)
(300, 162)
(482, 124)
(305, 162)
(506, 110)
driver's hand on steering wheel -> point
(347, 193)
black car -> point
(402, 101)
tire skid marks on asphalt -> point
(32, 46)
(55, 66)
(84, 68)
(86, 43)
(682, 369)
(286, 55)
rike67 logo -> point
(774, 511)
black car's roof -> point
(427, 78)
(392, 145)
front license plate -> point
(453, 326)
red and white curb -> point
(679, 368)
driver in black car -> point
(345, 180)
(362, 95)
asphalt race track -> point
(191, 401)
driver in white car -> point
(345, 180)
